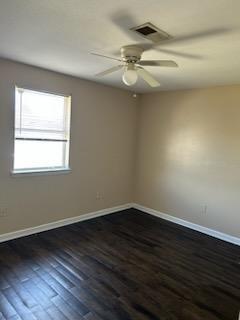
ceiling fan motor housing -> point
(131, 53)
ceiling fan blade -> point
(180, 54)
(195, 36)
(102, 56)
(158, 63)
(108, 71)
(146, 76)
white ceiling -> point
(60, 34)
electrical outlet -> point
(3, 212)
(99, 196)
(204, 208)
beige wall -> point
(101, 155)
(189, 156)
(186, 161)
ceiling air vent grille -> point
(149, 31)
(145, 31)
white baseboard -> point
(61, 223)
(91, 215)
(190, 225)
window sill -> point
(21, 173)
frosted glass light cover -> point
(130, 77)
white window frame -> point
(46, 170)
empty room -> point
(119, 160)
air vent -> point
(145, 31)
(149, 31)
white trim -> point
(42, 172)
(92, 215)
(61, 223)
(190, 225)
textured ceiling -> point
(60, 34)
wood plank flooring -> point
(123, 266)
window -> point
(42, 131)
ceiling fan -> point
(132, 64)
(131, 55)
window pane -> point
(39, 154)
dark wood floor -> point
(124, 266)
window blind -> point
(40, 116)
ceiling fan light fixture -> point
(130, 75)
(132, 63)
